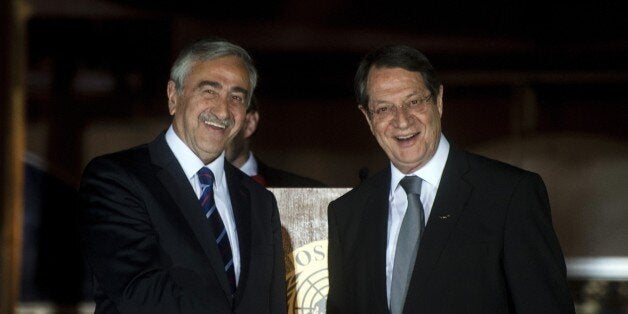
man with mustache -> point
(170, 226)
(440, 230)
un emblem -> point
(308, 284)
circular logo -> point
(308, 284)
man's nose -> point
(220, 107)
(402, 116)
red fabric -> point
(259, 179)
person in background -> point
(52, 267)
(169, 226)
(440, 230)
(240, 155)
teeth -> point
(215, 124)
(405, 137)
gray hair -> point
(209, 49)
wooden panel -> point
(12, 91)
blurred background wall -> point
(98, 69)
(538, 84)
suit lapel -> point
(451, 197)
(376, 235)
(172, 177)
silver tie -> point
(407, 243)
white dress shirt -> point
(431, 174)
(250, 166)
(191, 164)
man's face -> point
(210, 110)
(409, 136)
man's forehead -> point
(395, 78)
(215, 72)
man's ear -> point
(252, 119)
(171, 91)
(439, 101)
(367, 116)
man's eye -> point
(414, 102)
(381, 110)
(237, 98)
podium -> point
(303, 214)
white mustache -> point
(211, 119)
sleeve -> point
(533, 262)
(278, 295)
(335, 297)
(122, 248)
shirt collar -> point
(431, 172)
(190, 163)
(250, 166)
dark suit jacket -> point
(488, 246)
(280, 178)
(151, 249)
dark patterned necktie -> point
(407, 243)
(206, 178)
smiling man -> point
(169, 226)
(440, 230)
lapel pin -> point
(443, 217)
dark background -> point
(510, 68)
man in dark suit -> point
(240, 155)
(152, 245)
(482, 240)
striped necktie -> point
(206, 178)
